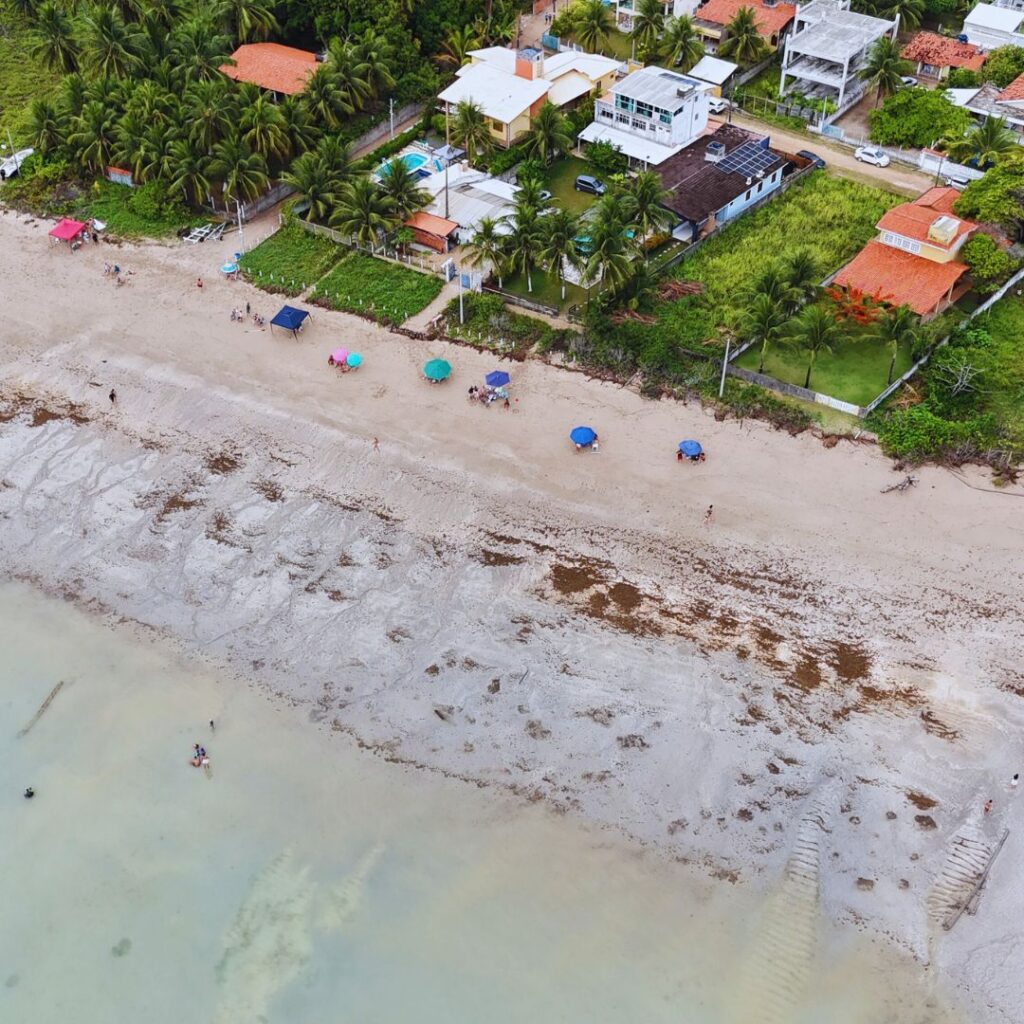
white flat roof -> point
(1002, 19)
(593, 65)
(842, 35)
(631, 145)
(497, 56)
(568, 88)
(503, 97)
(659, 87)
(712, 69)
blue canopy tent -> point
(691, 449)
(290, 318)
(583, 437)
(497, 379)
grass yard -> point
(559, 181)
(22, 78)
(1002, 366)
(490, 325)
(144, 212)
(290, 260)
(546, 289)
(376, 288)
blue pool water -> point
(412, 161)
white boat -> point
(12, 164)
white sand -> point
(820, 649)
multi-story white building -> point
(651, 114)
(988, 26)
(673, 9)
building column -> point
(842, 87)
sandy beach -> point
(820, 689)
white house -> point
(715, 71)
(827, 49)
(988, 27)
(673, 9)
(650, 115)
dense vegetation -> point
(917, 117)
(377, 289)
(488, 324)
(290, 260)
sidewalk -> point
(421, 321)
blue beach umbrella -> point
(437, 369)
(497, 379)
(691, 449)
(583, 436)
(354, 359)
(229, 268)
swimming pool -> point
(412, 161)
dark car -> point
(813, 157)
(587, 183)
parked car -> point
(909, 80)
(545, 195)
(718, 104)
(588, 183)
(813, 157)
(872, 155)
(958, 183)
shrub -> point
(962, 78)
(1003, 65)
(489, 325)
(290, 260)
(605, 159)
(917, 117)
(989, 265)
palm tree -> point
(743, 40)
(350, 72)
(558, 243)
(529, 196)
(241, 172)
(363, 211)
(398, 183)
(56, 43)
(47, 126)
(648, 23)
(246, 19)
(312, 178)
(109, 45)
(592, 24)
(337, 158)
(910, 11)
(550, 133)
(884, 68)
(470, 130)
(815, 330)
(457, 45)
(897, 328)
(74, 94)
(680, 44)
(763, 321)
(489, 247)
(642, 205)
(188, 170)
(802, 276)
(209, 112)
(302, 132)
(92, 135)
(609, 257)
(524, 239)
(200, 49)
(263, 126)
(158, 159)
(376, 53)
(774, 283)
(324, 100)
(986, 143)
(130, 145)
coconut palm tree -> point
(241, 172)
(524, 240)
(47, 126)
(337, 158)
(302, 132)
(910, 11)
(469, 129)
(245, 19)
(774, 283)
(398, 183)
(324, 100)
(158, 159)
(558, 243)
(529, 196)
(263, 125)
(92, 136)
(456, 46)
(592, 24)
(56, 43)
(743, 40)
(130, 146)
(188, 170)
(363, 211)
(986, 143)
(763, 321)
(376, 54)
(803, 277)
(550, 134)
(897, 328)
(609, 257)
(680, 45)
(200, 49)
(209, 112)
(489, 247)
(74, 93)
(648, 24)
(109, 45)
(643, 207)
(815, 330)
(884, 68)
(350, 72)
(310, 176)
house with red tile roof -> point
(936, 55)
(913, 260)
(712, 18)
(991, 101)
(279, 69)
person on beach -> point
(709, 515)
(376, 444)
(29, 793)
(199, 282)
(1015, 781)
(112, 396)
(679, 455)
(248, 310)
(211, 726)
(988, 806)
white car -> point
(718, 104)
(909, 80)
(872, 155)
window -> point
(760, 185)
(665, 118)
(624, 103)
(605, 113)
(622, 118)
(640, 124)
(644, 109)
(498, 126)
(747, 196)
(901, 242)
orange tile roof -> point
(912, 220)
(770, 20)
(431, 224)
(900, 278)
(1014, 91)
(271, 66)
(943, 52)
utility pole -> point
(462, 314)
(725, 366)
(391, 114)
(446, 189)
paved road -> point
(840, 160)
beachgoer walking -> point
(679, 455)
(709, 515)
(1015, 781)
(988, 806)
(247, 309)
(211, 725)
(376, 445)
(508, 404)
(112, 396)
(199, 282)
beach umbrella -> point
(437, 369)
(339, 355)
(691, 449)
(583, 436)
(229, 268)
(354, 359)
(497, 379)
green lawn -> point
(559, 181)
(290, 260)
(144, 212)
(22, 77)
(385, 291)
(546, 289)
(1002, 365)
(856, 371)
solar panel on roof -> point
(748, 160)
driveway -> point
(896, 177)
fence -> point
(518, 300)
(793, 390)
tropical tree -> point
(489, 247)
(363, 211)
(609, 256)
(246, 19)
(558, 234)
(524, 240)
(530, 196)
(188, 170)
(457, 45)
(803, 277)
(209, 112)
(763, 321)
(774, 283)
(814, 331)
(92, 136)
(648, 23)
(986, 143)
(351, 74)
(884, 68)
(592, 24)
(311, 177)
(398, 183)
(263, 125)
(743, 40)
(680, 44)
(200, 49)
(324, 100)
(910, 11)
(241, 172)
(550, 133)
(642, 205)
(376, 54)
(47, 126)
(470, 130)
(131, 143)
(56, 43)
(898, 327)
(109, 44)
(302, 132)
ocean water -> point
(302, 880)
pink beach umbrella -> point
(338, 356)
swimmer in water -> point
(29, 793)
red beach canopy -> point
(66, 229)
